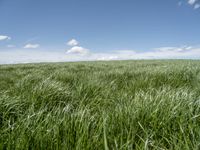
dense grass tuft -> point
(101, 105)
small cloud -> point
(4, 37)
(196, 6)
(78, 50)
(174, 49)
(32, 46)
(192, 2)
(72, 42)
(188, 47)
(108, 58)
(10, 46)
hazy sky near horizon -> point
(98, 29)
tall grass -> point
(101, 105)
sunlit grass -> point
(101, 105)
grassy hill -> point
(101, 105)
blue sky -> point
(67, 30)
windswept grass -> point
(101, 105)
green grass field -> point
(101, 105)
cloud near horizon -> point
(81, 54)
(78, 50)
(31, 46)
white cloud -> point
(192, 2)
(103, 58)
(78, 50)
(81, 54)
(31, 46)
(196, 6)
(174, 49)
(4, 37)
(72, 42)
